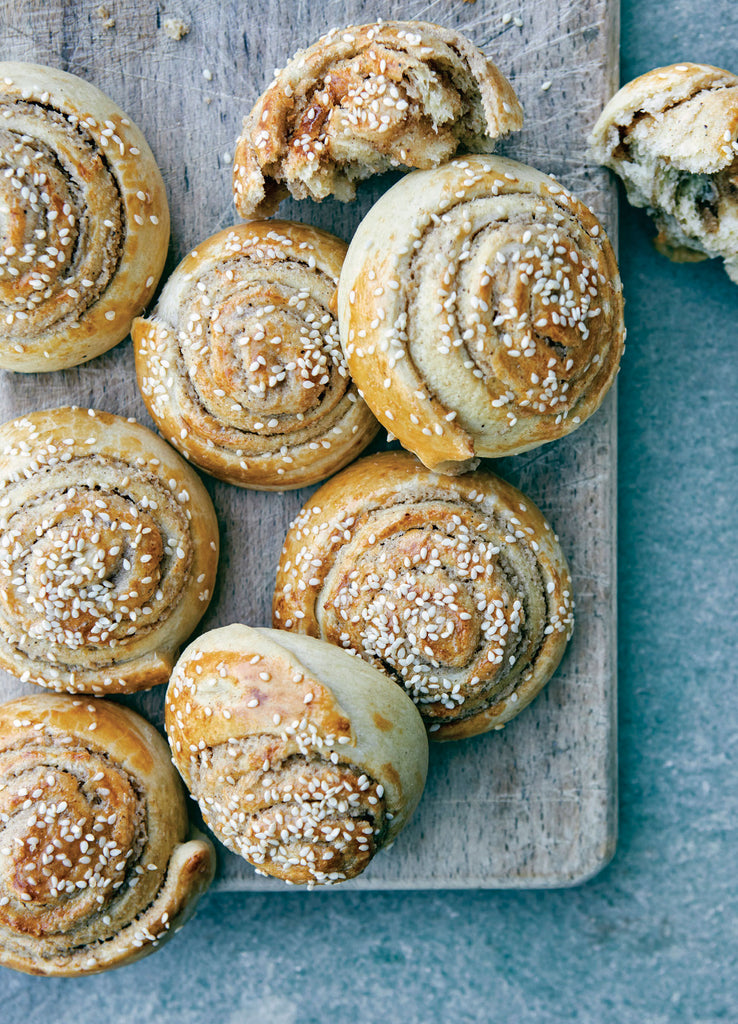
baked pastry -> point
(481, 311)
(305, 761)
(95, 866)
(85, 220)
(672, 136)
(108, 552)
(455, 587)
(362, 100)
(240, 364)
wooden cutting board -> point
(535, 804)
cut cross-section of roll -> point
(365, 99)
(454, 587)
(84, 221)
(241, 366)
(672, 136)
(95, 867)
(481, 311)
(304, 760)
(108, 552)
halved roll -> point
(672, 136)
(240, 364)
(95, 867)
(305, 761)
(455, 587)
(108, 552)
(84, 220)
(364, 99)
(481, 311)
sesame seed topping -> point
(262, 304)
(522, 313)
(87, 547)
(70, 238)
(438, 592)
(74, 840)
(276, 791)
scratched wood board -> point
(535, 804)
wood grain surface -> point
(535, 804)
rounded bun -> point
(455, 587)
(108, 552)
(304, 760)
(362, 100)
(481, 311)
(95, 869)
(240, 364)
(86, 220)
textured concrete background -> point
(653, 939)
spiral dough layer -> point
(94, 870)
(672, 136)
(241, 366)
(362, 100)
(108, 552)
(84, 221)
(455, 587)
(481, 311)
(303, 761)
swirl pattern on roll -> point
(481, 311)
(94, 867)
(108, 552)
(241, 366)
(303, 762)
(84, 220)
(362, 100)
(455, 587)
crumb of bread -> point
(671, 135)
(175, 28)
(103, 12)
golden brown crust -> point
(108, 552)
(481, 311)
(305, 761)
(240, 364)
(87, 202)
(672, 136)
(93, 780)
(364, 99)
(456, 587)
